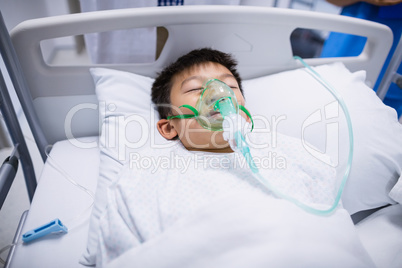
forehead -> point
(205, 70)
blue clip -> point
(54, 226)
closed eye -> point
(194, 89)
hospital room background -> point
(306, 43)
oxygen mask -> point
(216, 101)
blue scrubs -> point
(341, 45)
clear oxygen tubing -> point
(73, 222)
(345, 110)
(76, 220)
(241, 146)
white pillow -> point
(380, 233)
(378, 150)
(396, 192)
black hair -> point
(163, 83)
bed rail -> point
(8, 170)
(258, 37)
(391, 74)
(10, 118)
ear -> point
(166, 129)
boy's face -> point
(186, 89)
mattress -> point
(64, 200)
(381, 235)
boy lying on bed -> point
(201, 206)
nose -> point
(225, 106)
(217, 102)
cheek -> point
(240, 98)
(195, 130)
(187, 125)
(189, 99)
(193, 124)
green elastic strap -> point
(248, 114)
(185, 116)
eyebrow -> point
(201, 78)
(194, 77)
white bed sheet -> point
(381, 235)
(251, 230)
(56, 197)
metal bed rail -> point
(8, 170)
(391, 75)
(17, 235)
(11, 120)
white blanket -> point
(252, 231)
(172, 206)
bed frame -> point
(259, 38)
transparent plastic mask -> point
(209, 112)
(216, 100)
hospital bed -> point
(61, 105)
